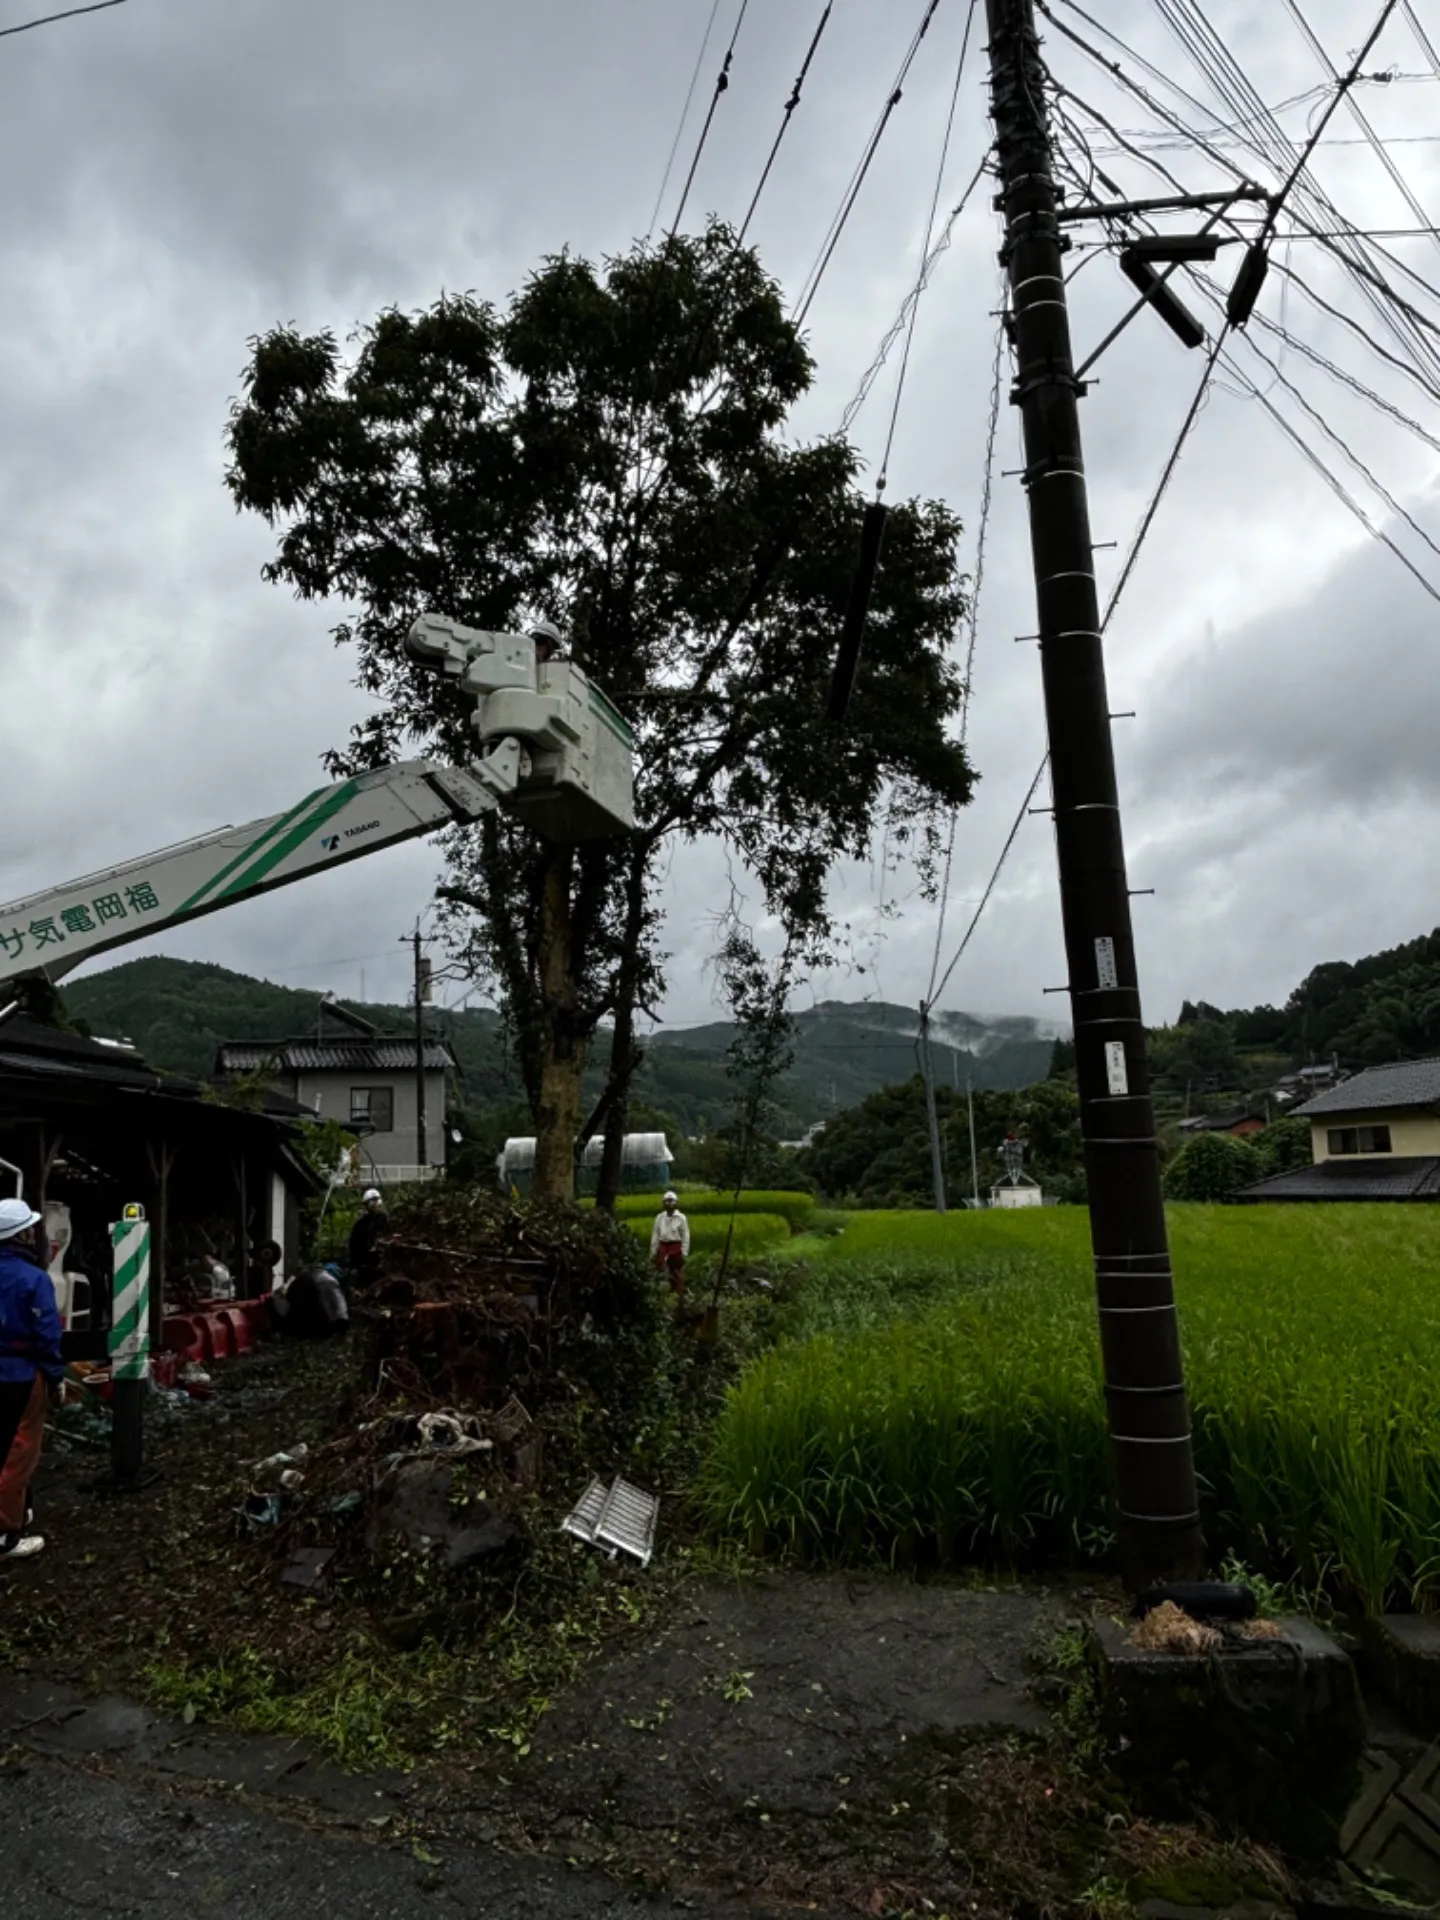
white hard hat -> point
(15, 1217)
(547, 630)
(371, 1193)
(669, 1197)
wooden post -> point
(161, 1156)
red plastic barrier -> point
(239, 1327)
(221, 1335)
(185, 1335)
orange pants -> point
(22, 1455)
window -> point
(373, 1107)
(1359, 1139)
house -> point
(1239, 1122)
(1374, 1136)
(89, 1125)
(367, 1083)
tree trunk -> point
(625, 1056)
(562, 1051)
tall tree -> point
(609, 451)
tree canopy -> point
(609, 450)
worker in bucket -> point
(30, 1370)
(365, 1237)
(670, 1243)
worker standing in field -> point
(670, 1243)
(30, 1369)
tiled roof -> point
(1409, 1083)
(329, 1056)
(1379, 1176)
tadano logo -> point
(331, 841)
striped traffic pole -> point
(129, 1342)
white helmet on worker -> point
(370, 1193)
(15, 1217)
(671, 1198)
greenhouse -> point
(644, 1166)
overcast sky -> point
(182, 174)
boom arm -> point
(553, 749)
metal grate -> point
(618, 1519)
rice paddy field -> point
(937, 1397)
(764, 1221)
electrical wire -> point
(684, 115)
(1358, 114)
(972, 630)
(789, 113)
(1422, 355)
(1342, 92)
(26, 26)
(722, 86)
(898, 325)
(1166, 473)
(991, 883)
(810, 285)
(925, 249)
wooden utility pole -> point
(1159, 1521)
(932, 1120)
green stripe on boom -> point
(273, 855)
(247, 853)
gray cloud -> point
(179, 177)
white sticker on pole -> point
(1115, 1067)
(1105, 962)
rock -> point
(413, 1504)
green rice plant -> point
(938, 1392)
(797, 1209)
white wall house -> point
(366, 1084)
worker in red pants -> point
(30, 1368)
(670, 1243)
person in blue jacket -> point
(30, 1369)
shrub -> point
(1211, 1167)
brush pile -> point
(493, 1336)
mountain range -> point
(177, 1013)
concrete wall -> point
(1413, 1132)
(328, 1094)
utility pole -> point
(422, 981)
(937, 1163)
(974, 1157)
(1159, 1521)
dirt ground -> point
(784, 1741)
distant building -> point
(1375, 1136)
(367, 1084)
(1240, 1123)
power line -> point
(789, 113)
(1406, 335)
(991, 884)
(47, 19)
(973, 624)
(898, 325)
(1357, 112)
(685, 112)
(925, 248)
(722, 86)
(1147, 519)
(812, 280)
